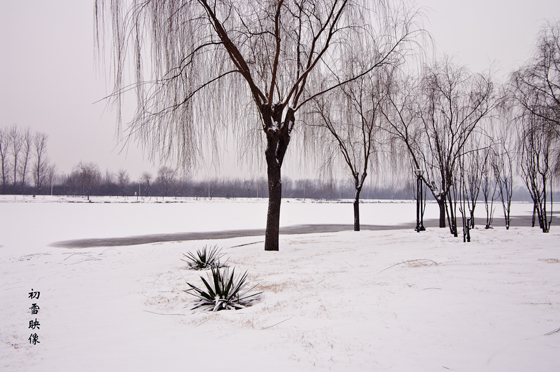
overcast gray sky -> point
(49, 82)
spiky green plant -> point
(223, 291)
(204, 258)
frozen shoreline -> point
(516, 221)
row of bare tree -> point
(201, 68)
(457, 129)
(24, 161)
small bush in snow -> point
(205, 258)
(223, 291)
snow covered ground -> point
(389, 300)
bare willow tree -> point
(503, 166)
(473, 165)
(433, 117)
(346, 123)
(201, 64)
(453, 102)
(504, 154)
(535, 88)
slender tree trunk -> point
(357, 210)
(489, 210)
(451, 209)
(453, 221)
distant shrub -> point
(205, 258)
(223, 291)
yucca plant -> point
(223, 291)
(204, 258)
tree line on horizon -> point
(86, 179)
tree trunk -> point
(357, 211)
(441, 205)
(471, 219)
(277, 140)
(452, 219)
(274, 201)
